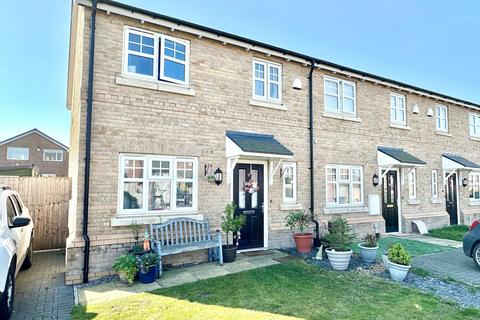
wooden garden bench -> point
(183, 235)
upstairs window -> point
(397, 109)
(267, 80)
(156, 56)
(340, 95)
(474, 123)
(441, 116)
(52, 155)
(15, 153)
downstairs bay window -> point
(344, 185)
(157, 184)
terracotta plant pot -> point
(303, 242)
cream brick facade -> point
(141, 120)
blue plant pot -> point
(149, 276)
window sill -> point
(122, 220)
(436, 200)
(350, 209)
(267, 104)
(341, 116)
(400, 126)
(290, 206)
(154, 85)
(475, 138)
(413, 202)
(474, 203)
(443, 133)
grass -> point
(415, 248)
(293, 290)
(450, 232)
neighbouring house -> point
(170, 102)
(33, 153)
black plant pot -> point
(229, 253)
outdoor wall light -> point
(297, 84)
(464, 182)
(375, 180)
(38, 148)
(217, 176)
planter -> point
(368, 254)
(398, 272)
(123, 278)
(385, 260)
(147, 274)
(303, 242)
(339, 260)
(229, 253)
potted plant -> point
(385, 260)
(148, 265)
(340, 238)
(368, 248)
(231, 225)
(137, 248)
(126, 266)
(300, 220)
(398, 262)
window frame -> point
(396, 110)
(293, 199)
(340, 96)
(475, 125)
(351, 184)
(434, 183)
(438, 116)
(163, 57)
(126, 52)
(147, 178)
(266, 80)
(412, 184)
(472, 184)
(56, 151)
(18, 148)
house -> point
(159, 104)
(33, 153)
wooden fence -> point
(47, 199)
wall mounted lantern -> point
(375, 180)
(217, 176)
(464, 182)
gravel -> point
(462, 294)
(98, 281)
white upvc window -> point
(434, 184)
(157, 184)
(17, 153)
(398, 113)
(267, 80)
(155, 56)
(344, 185)
(474, 186)
(441, 116)
(412, 184)
(474, 124)
(289, 182)
(52, 155)
(339, 95)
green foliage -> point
(299, 220)
(126, 263)
(451, 232)
(148, 259)
(231, 224)
(136, 248)
(340, 235)
(399, 255)
(136, 229)
(370, 240)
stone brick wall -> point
(129, 119)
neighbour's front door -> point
(390, 197)
(451, 198)
(248, 193)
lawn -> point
(292, 290)
(450, 232)
(415, 248)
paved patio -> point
(41, 292)
(114, 290)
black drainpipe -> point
(316, 240)
(88, 139)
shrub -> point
(399, 255)
(370, 240)
(298, 220)
(127, 264)
(230, 223)
(148, 260)
(340, 236)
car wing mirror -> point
(19, 222)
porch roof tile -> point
(258, 143)
(401, 155)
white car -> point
(16, 234)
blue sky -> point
(418, 42)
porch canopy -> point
(389, 158)
(452, 163)
(254, 146)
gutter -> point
(88, 140)
(316, 240)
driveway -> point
(452, 264)
(41, 292)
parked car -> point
(16, 234)
(471, 242)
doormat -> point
(258, 253)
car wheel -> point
(6, 302)
(27, 263)
(476, 255)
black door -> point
(451, 198)
(248, 194)
(390, 206)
